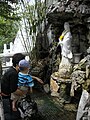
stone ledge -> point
(60, 80)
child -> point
(25, 82)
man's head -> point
(16, 58)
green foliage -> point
(6, 10)
(8, 30)
(8, 27)
(34, 15)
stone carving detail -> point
(69, 7)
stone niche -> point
(80, 36)
(80, 40)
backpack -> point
(27, 107)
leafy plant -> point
(8, 26)
(32, 16)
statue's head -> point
(66, 26)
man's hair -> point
(16, 58)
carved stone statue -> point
(65, 42)
(61, 79)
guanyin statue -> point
(65, 39)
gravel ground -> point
(51, 109)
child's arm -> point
(38, 79)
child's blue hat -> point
(24, 63)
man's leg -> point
(8, 113)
